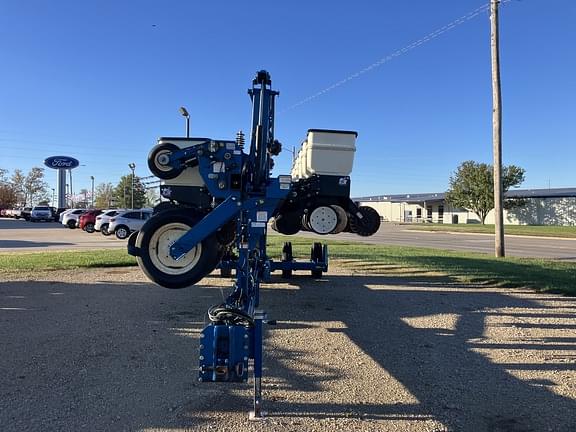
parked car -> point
(128, 221)
(25, 213)
(103, 220)
(70, 217)
(56, 212)
(14, 213)
(87, 220)
(39, 213)
(64, 213)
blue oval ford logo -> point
(61, 162)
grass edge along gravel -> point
(409, 263)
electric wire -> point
(224, 313)
(430, 36)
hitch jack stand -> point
(258, 414)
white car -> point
(15, 213)
(103, 220)
(70, 217)
(12, 213)
(64, 213)
(39, 213)
(128, 221)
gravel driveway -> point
(105, 350)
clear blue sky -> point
(101, 80)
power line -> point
(430, 36)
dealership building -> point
(542, 207)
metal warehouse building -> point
(543, 207)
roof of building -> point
(429, 197)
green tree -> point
(123, 192)
(35, 188)
(104, 195)
(8, 197)
(472, 187)
(17, 180)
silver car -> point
(128, 221)
(103, 220)
(39, 213)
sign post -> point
(62, 164)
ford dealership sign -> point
(61, 162)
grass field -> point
(525, 230)
(421, 264)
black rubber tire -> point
(71, 224)
(89, 227)
(207, 262)
(122, 232)
(370, 223)
(316, 274)
(287, 256)
(104, 229)
(316, 256)
(288, 223)
(152, 162)
(163, 206)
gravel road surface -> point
(105, 350)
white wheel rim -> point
(158, 165)
(323, 220)
(122, 232)
(159, 250)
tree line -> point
(471, 187)
(21, 190)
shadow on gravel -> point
(111, 356)
(452, 380)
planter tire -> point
(154, 241)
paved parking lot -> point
(28, 236)
(18, 234)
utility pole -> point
(92, 196)
(71, 190)
(497, 131)
(132, 166)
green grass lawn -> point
(420, 264)
(65, 260)
(526, 230)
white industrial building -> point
(543, 207)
